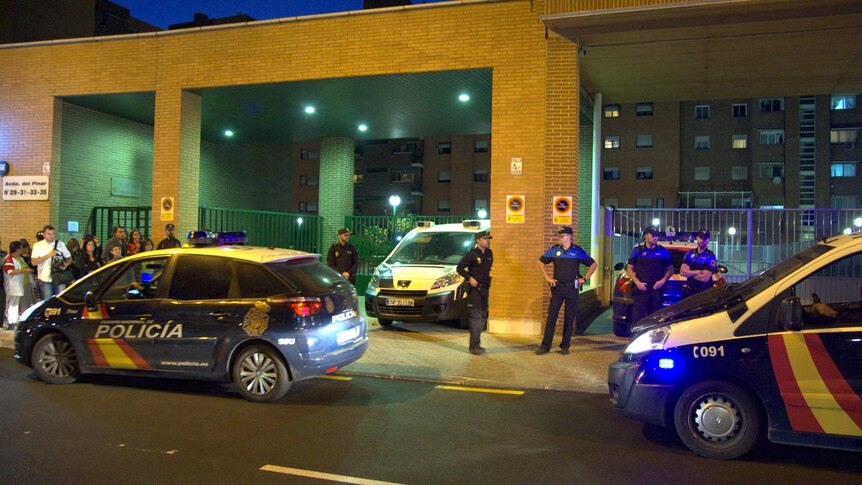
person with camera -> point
(475, 268)
(52, 260)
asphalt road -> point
(118, 430)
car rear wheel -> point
(54, 360)
(260, 375)
(717, 420)
(384, 322)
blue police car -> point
(258, 317)
(779, 355)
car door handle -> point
(219, 315)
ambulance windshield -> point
(432, 248)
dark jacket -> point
(343, 259)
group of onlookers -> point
(30, 275)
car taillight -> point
(625, 285)
(302, 306)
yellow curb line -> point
(480, 389)
(336, 378)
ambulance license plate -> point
(399, 301)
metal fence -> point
(747, 241)
(103, 219)
(270, 229)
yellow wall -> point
(506, 36)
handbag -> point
(60, 276)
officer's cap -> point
(703, 234)
(170, 227)
(481, 234)
(343, 230)
(565, 230)
(651, 230)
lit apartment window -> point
(480, 204)
(643, 109)
(739, 142)
(612, 110)
(843, 135)
(644, 141)
(399, 176)
(739, 172)
(701, 142)
(772, 137)
(612, 203)
(612, 141)
(701, 112)
(701, 173)
(771, 105)
(444, 147)
(769, 170)
(843, 169)
(643, 203)
(612, 173)
(444, 176)
(843, 101)
(443, 205)
(481, 146)
(740, 110)
(659, 203)
(480, 176)
(358, 178)
(643, 173)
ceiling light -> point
(363, 127)
(310, 110)
(464, 97)
(228, 133)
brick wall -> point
(230, 176)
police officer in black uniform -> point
(565, 285)
(342, 256)
(699, 265)
(475, 267)
(649, 267)
(169, 242)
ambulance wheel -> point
(260, 375)
(384, 322)
(717, 420)
(54, 360)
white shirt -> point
(42, 248)
(15, 283)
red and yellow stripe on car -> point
(816, 395)
(115, 353)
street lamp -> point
(655, 222)
(858, 222)
(483, 213)
(394, 200)
(732, 232)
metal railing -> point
(103, 219)
(747, 241)
(270, 229)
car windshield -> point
(765, 279)
(432, 248)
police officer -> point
(169, 242)
(565, 285)
(342, 256)
(649, 267)
(475, 267)
(699, 265)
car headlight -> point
(651, 340)
(450, 279)
(374, 282)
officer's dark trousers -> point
(563, 292)
(645, 302)
(477, 309)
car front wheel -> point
(717, 420)
(260, 375)
(54, 360)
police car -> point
(678, 244)
(417, 282)
(780, 354)
(258, 317)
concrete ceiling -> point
(392, 106)
(718, 49)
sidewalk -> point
(438, 353)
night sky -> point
(162, 13)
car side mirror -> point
(722, 268)
(618, 266)
(790, 314)
(90, 299)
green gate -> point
(269, 229)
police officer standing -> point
(699, 265)
(342, 256)
(649, 267)
(475, 267)
(169, 242)
(565, 285)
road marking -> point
(336, 378)
(125, 447)
(322, 476)
(480, 389)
